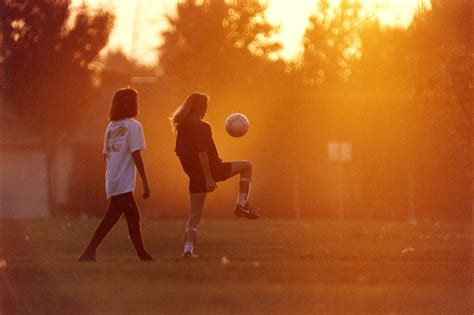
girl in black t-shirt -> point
(198, 155)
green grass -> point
(275, 267)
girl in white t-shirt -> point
(123, 142)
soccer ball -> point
(237, 125)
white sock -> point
(242, 199)
(188, 247)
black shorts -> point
(197, 180)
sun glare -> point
(293, 19)
(139, 23)
(391, 13)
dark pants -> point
(124, 203)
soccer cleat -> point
(85, 257)
(246, 211)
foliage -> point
(399, 96)
(215, 43)
(441, 62)
(48, 63)
(331, 43)
(440, 72)
(403, 98)
(118, 69)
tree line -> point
(402, 98)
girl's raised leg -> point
(244, 168)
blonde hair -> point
(192, 110)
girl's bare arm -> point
(137, 158)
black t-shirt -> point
(195, 137)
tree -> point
(401, 96)
(331, 44)
(440, 73)
(118, 69)
(412, 88)
(215, 44)
(48, 65)
(383, 119)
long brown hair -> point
(193, 109)
(124, 104)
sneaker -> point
(246, 211)
(85, 257)
(145, 257)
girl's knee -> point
(193, 221)
(248, 168)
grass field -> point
(270, 267)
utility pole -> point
(145, 21)
(340, 152)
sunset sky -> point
(149, 15)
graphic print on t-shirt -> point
(121, 139)
(115, 138)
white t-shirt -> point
(122, 137)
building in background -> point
(77, 181)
